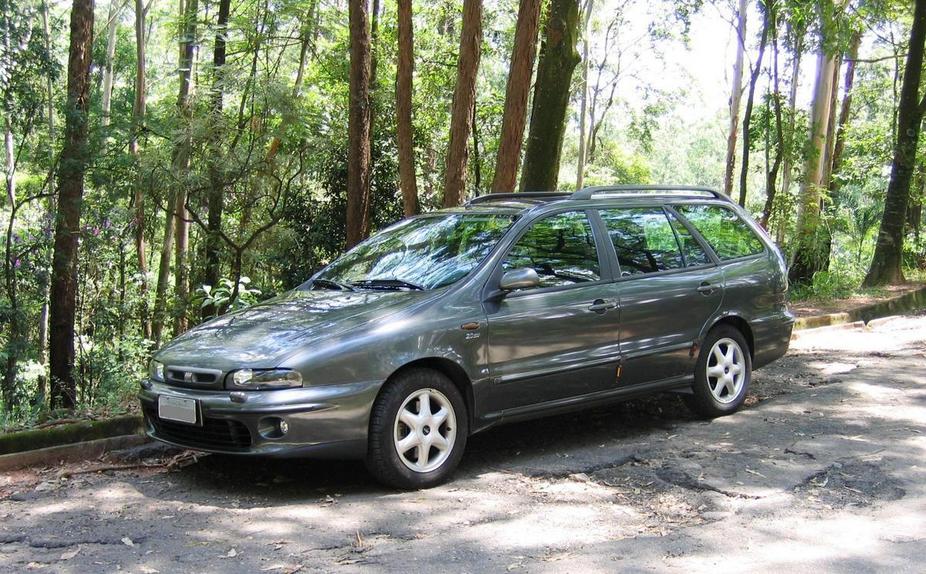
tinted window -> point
(560, 248)
(643, 239)
(692, 251)
(429, 252)
(728, 235)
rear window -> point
(646, 242)
(724, 230)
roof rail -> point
(538, 195)
(590, 192)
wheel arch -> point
(450, 369)
(741, 325)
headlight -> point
(156, 371)
(249, 379)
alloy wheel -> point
(425, 430)
(726, 370)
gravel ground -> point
(823, 469)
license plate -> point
(177, 409)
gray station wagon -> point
(510, 307)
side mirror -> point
(523, 278)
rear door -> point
(560, 339)
(669, 287)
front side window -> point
(419, 253)
(728, 235)
(560, 248)
(644, 240)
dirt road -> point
(825, 469)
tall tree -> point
(403, 97)
(583, 106)
(886, 265)
(112, 24)
(139, 109)
(216, 198)
(176, 228)
(808, 256)
(768, 15)
(796, 37)
(517, 94)
(558, 60)
(71, 171)
(464, 99)
(736, 94)
(771, 175)
(358, 130)
(182, 165)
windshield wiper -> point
(387, 284)
(329, 284)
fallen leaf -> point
(127, 541)
(70, 553)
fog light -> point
(272, 427)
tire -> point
(396, 421)
(721, 382)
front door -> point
(669, 288)
(559, 339)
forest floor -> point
(811, 307)
(824, 469)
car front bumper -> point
(322, 421)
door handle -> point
(601, 305)
(705, 288)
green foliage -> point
(220, 296)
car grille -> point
(214, 434)
(191, 377)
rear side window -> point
(728, 235)
(646, 242)
(560, 248)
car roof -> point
(515, 203)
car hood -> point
(262, 335)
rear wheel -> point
(722, 374)
(418, 430)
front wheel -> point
(418, 430)
(722, 374)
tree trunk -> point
(558, 59)
(750, 99)
(886, 265)
(517, 94)
(138, 127)
(358, 145)
(772, 174)
(826, 169)
(41, 391)
(374, 38)
(160, 289)
(808, 253)
(786, 164)
(838, 134)
(216, 197)
(182, 166)
(71, 172)
(115, 9)
(464, 97)
(583, 106)
(736, 94)
(175, 226)
(403, 96)
(843, 121)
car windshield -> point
(420, 253)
